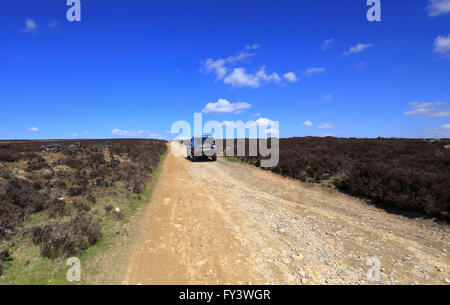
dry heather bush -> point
(8, 156)
(10, 217)
(21, 193)
(4, 257)
(402, 174)
(67, 238)
(88, 173)
(37, 164)
(57, 208)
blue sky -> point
(132, 68)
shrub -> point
(10, 217)
(67, 238)
(8, 156)
(76, 191)
(4, 257)
(57, 208)
(37, 164)
(21, 193)
(401, 174)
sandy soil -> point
(231, 223)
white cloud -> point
(308, 124)
(438, 7)
(240, 78)
(272, 132)
(443, 131)
(86, 132)
(75, 135)
(261, 74)
(33, 129)
(326, 126)
(442, 44)
(256, 115)
(134, 134)
(239, 57)
(327, 44)
(290, 77)
(265, 124)
(314, 70)
(30, 26)
(173, 132)
(358, 48)
(429, 109)
(216, 66)
(328, 98)
(252, 47)
(224, 106)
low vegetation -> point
(400, 174)
(52, 193)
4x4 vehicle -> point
(202, 148)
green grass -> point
(232, 159)
(28, 267)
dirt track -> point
(231, 223)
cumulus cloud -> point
(30, 26)
(308, 124)
(33, 129)
(440, 132)
(314, 70)
(442, 44)
(290, 77)
(134, 134)
(327, 44)
(429, 109)
(224, 106)
(217, 67)
(267, 125)
(240, 78)
(326, 126)
(438, 7)
(358, 48)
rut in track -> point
(231, 223)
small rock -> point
(51, 148)
(298, 257)
(117, 210)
